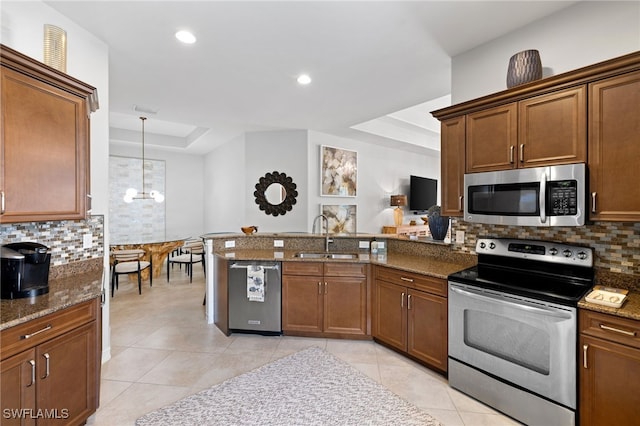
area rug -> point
(310, 387)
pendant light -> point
(132, 193)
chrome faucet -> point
(327, 240)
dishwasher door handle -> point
(237, 266)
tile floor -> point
(162, 350)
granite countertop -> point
(631, 306)
(630, 309)
(63, 292)
(439, 268)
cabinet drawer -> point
(610, 327)
(335, 269)
(417, 281)
(32, 333)
(302, 268)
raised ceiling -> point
(369, 60)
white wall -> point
(224, 187)
(284, 152)
(88, 61)
(184, 187)
(381, 172)
(578, 36)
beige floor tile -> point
(185, 338)
(132, 363)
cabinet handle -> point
(28, 336)
(409, 302)
(319, 287)
(460, 198)
(33, 372)
(406, 279)
(90, 200)
(593, 202)
(402, 300)
(2, 202)
(46, 368)
(511, 154)
(617, 330)
(584, 356)
(522, 153)
(325, 287)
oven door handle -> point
(529, 308)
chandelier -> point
(132, 193)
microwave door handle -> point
(543, 197)
(534, 309)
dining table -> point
(156, 250)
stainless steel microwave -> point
(541, 196)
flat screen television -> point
(423, 193)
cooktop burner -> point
(542, 270)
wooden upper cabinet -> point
(543, 130)
(44, 147)
(614, 148)
(492, 135)
(452, 159)
(552, 128)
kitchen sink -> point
(344, 256)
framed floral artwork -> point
(341, 217)
(338, 172)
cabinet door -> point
(45, 149)
(345, 305)
(492, 135)
(18, 389)
(614, 148)
(390, 314)
(552, 128)
(302, 303)
(452, 159)
(66, 369)
(427, 328)
(609, 383)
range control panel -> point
(544, 251)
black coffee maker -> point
(25, 270)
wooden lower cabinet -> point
(609, 370)
(325, 299)
(410, 319)
(56, 380)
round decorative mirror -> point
(275, 193)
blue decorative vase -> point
(439, 225)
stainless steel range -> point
(513, 327)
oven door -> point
(525, 342)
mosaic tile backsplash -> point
(64, 238)
(616, 244)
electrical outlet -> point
(230, 244)
(278, 243)
(364, 245)
(459, 237)
(87, 241)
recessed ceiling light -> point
(304, 79)
(186, 37)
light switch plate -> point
(230, 244)
(87, 241)
(459, 237)
(278, 243)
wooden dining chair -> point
(129, 262)
(192, 253)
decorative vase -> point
(438, 225)
(524, 67)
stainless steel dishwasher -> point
(255, 297)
